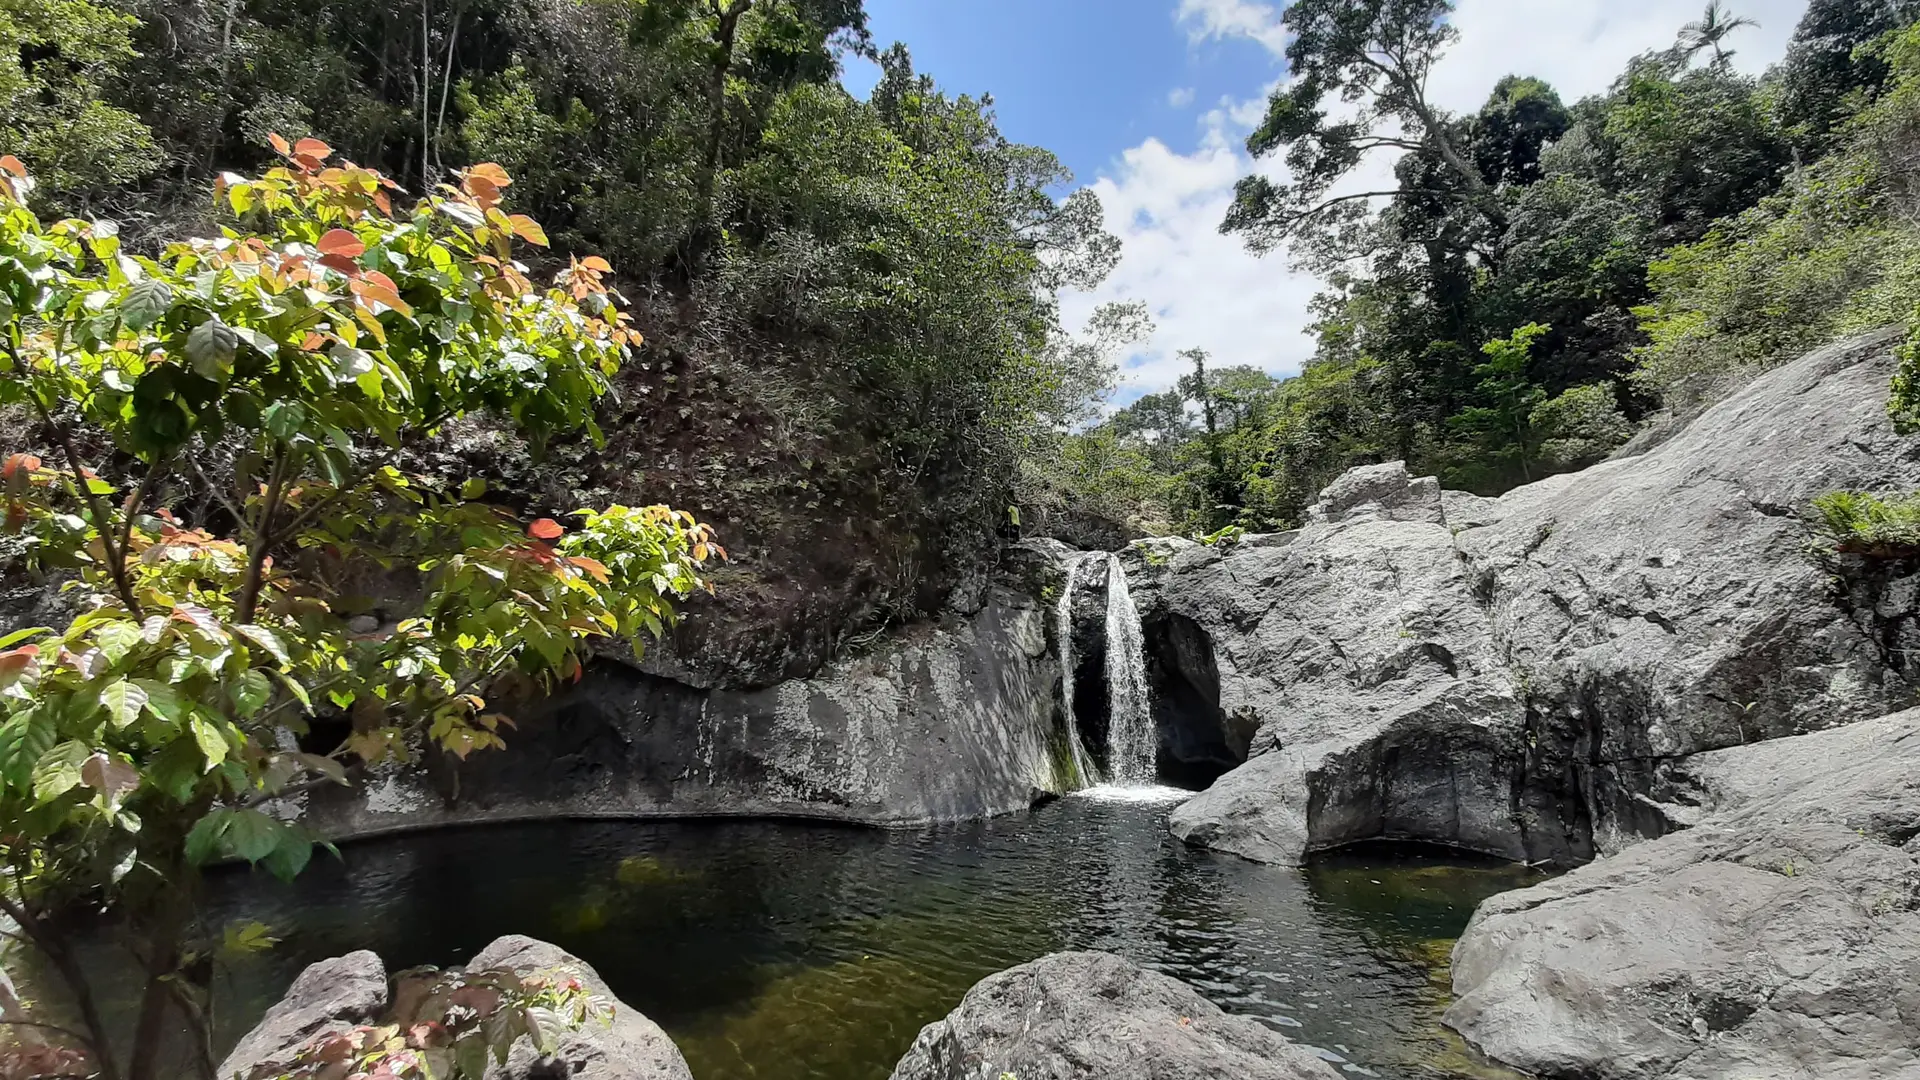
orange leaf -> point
(12, 164)
(484, 191)
(341, 242)
(596, 263)
(16, 462)
(491, 173)
(367, 290)
(279, 144)
(313, 148)
(546, 529)
(592, 566)
(528, 229)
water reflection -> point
(801, 952)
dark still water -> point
(801, 952)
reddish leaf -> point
(109, 777)
(12, 164)
(596, 264)
(15, 462)
(279, 144)
(342, 264)
(313, 148)
(546, 529)
(341, 242)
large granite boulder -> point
(1514, 675)
(330, 996)
(338, 994)
(1777, 938)
(1071, 1016)
(944, 721)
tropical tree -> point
(226, 429)
(1376, 56)
(1708, 31)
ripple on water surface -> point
(803, 952)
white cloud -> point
(1166, 206)
(1233, 18)
(1181, 97)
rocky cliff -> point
(948, 720)
(1521, 675)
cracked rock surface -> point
(1525, 676)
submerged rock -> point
(1518, 675)
(1777, 938)
(942, 722)
(1072, 1016)
(338, 994)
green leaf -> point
(252, 835)
(58, 770)
(284, 419)
(251, 691)
(19, 636)
(26, 736)
(116, 639)
(211, 348)
(298, 691)
(290, 854)
(213, 744)
(204, 839)
(473, 488)
(146, 303)
(545, 1028)
(123, 701)
(266, 639)
(164, 701)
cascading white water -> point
(1132, 743)
(1063, 619)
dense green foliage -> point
(1543, 276)
(849, 305)
(247, 400)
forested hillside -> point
(855, 361)
(1535, 281)
(849, 305)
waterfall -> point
(1132, 743)
(1063, 618)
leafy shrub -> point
(225, 424)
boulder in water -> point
(1779, 937)
(338, 994)
(1073, 1016)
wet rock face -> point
(1075, 1015)
(946, 722)
(336, 995)
(1518, 675)
(1777, 937)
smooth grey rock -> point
(940, 722)
(631, 1047)
(332, 995)
(1778, 938)
(1520, 675)
(1077, 1016)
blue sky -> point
(1149, 102)
(1083, 78)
